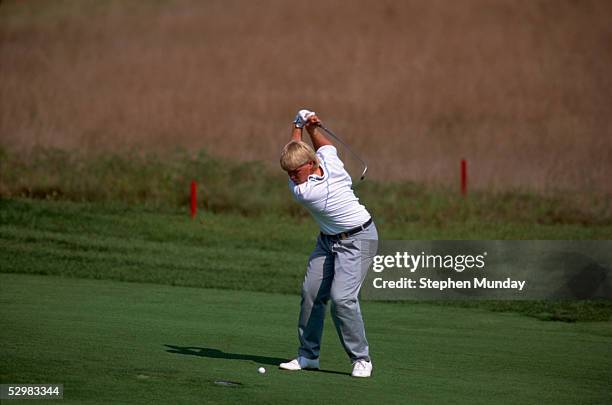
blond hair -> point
(296, 154)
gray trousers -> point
(336, 270)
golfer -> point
(345, 247)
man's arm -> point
(317, 137)
(296, 134)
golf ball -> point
(261, 370)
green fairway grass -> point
(114, 342)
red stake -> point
(463, 177)
(194, 199)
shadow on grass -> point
(218, 354)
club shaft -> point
(330, 133)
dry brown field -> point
(522, 89)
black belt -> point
(345, 235)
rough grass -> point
(252, 189)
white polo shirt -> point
(330, 198)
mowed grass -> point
(114, 342)
(263, 253)
(134, 244)
(225, 251)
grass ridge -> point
(253, 189)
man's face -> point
(300, 174)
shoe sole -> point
(363, 376)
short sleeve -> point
(329, 154)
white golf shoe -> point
(362, 368)
(300, 363)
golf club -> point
(330, 133)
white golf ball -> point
(261, 370)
